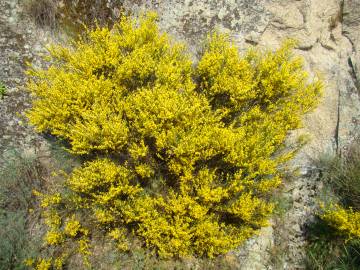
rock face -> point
(328, 33)
(351, 29)
(19, 42)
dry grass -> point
(44, 12)
(71, 16)
(326, 249)
(341, 175)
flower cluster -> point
(345, 221)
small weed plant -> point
(182, 157)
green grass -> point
(18, 178)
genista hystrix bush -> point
(187, 154)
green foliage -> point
(182, 157)
(2, 90)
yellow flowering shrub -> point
(182, 156)
(345, 221)
(45, 264)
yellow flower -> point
(54, 238)
(43, 264)
(72, 227)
